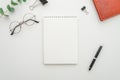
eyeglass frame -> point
(21, 23)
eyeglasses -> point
(35, 4)
(28, 19)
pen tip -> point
(89, 69)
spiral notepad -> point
(60, 39)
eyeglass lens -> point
(14, 28)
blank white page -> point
(60, 39)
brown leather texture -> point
(107, 8)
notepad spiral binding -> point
(60, 16)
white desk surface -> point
(21, 56)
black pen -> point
(95, 57)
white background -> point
(21, 56)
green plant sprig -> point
(10, 7)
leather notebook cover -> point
(107, 8)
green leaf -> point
(13, 3)
(1, 11)
(20, 1)
(11, 9)
(24, 0)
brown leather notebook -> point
(107, 8)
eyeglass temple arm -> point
(12, 32)
(14, 29)
(34, 20)
(23, 23)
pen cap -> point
(98, 51)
